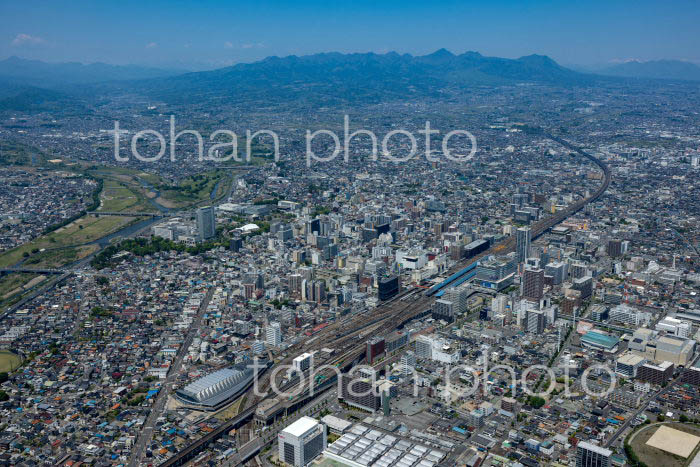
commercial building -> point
(302, 441)
(495, 274)
(444, 309)
(533, 284)
(557, 271)
(302, 362)
(678, 351)
(600, 341)
(388, 287)
(396, 340)
(628, 365)
(591, 455)
(655, 374)
(674, 326)
(206, 223)
(535, 321)
(273, 334)
(375, 349)
(625, 314)
(436, 348)
(522, 243)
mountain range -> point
(335, 78)
(38, 73)
(655, 69)
(312, 80)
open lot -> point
(673, 441)
(676, 440)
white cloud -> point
(26, 39)
(151, 45)
(228, 45)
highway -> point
(349, 337)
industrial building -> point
(362, 446)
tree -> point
(535, 401)
(683, 418)
(3, 377)
(4, 396)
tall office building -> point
(375, 349)
(388, 287)
(533, 283)
(590, 455)
(273, 334)
(444, 309)
(614, 247)
(522, 240)
(535, 321)
(408, 363)
(361, 392)
(206, 223)
(302, 441)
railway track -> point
(392, 314)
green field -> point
(9, 361)
(11, 284)
(194, 190)
(117, 196)
(84, 230)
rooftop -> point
(301, 427)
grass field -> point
(194, 190)
(84, 230)
(15, 283)
(230, 411)
(653, 456)
(9, 361)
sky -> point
(208, 34)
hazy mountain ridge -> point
(43, 74)
(332, 78)
(655, 69)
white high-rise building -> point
(273, 334)
(499, 303)
(408, 363)
(674, 326)
(592, 455)
(437, 349)
(302, 441)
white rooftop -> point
(301, 426)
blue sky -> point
(207, 34)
